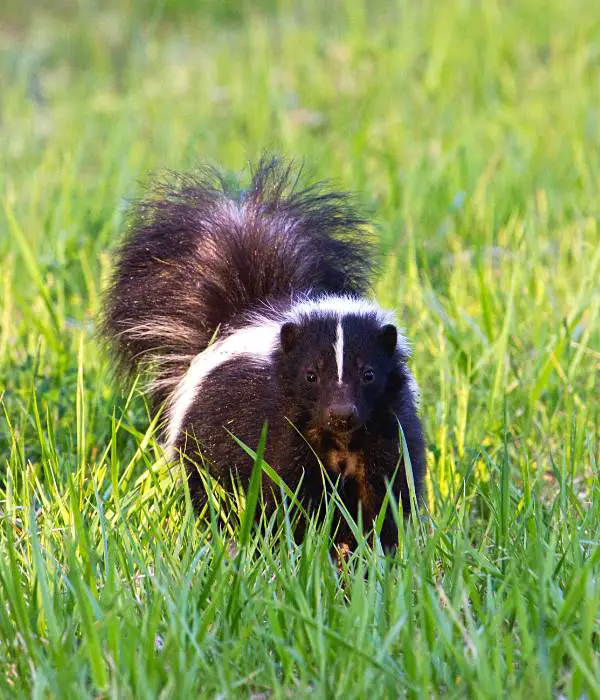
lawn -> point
(471, 131)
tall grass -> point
(472, 132)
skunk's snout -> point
(342, 416)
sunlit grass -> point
(471, 132)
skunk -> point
(250, 308)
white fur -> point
(256, 342)
(341, 306)
(339, 350)
(413, 387)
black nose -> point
(342, 416)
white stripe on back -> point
(257, 341)
(413, 387)
(253, 342)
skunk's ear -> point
(388, 337)
(289, 334)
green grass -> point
(472, 132)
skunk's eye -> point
(368, 376)
(311, 376)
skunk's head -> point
(336, 369)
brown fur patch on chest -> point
(339, 458)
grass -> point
(472, 132)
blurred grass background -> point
(471, 131)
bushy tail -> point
(197, 254)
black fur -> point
(199, 262)
(363, 454)
(196, 256)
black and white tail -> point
(197, 255)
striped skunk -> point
(251, 308)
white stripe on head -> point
(339, 350)
(340, 306)
(254, 343)
(257, 341)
